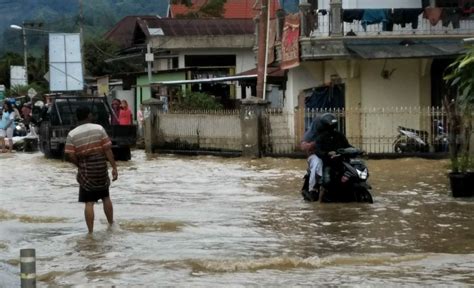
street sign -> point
(149, 57)
(32, 93)
(46, 76)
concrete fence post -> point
(151, 125)
(28, 268)
(252, 119)
(336, 18)
(305, 8)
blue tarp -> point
(290, 6)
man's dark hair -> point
(82, 113)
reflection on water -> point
(210, 221)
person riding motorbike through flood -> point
(315, 164)
(328, 140)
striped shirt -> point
(88, 142)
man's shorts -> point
(92, 196)
(3, 133)
(9, 133)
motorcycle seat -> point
(420, 133)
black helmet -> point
(328, 121)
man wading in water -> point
(88, 146)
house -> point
(184, 50)
(380, 54)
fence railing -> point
(423, 27)
(386, 130)
(375, 130)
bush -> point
(196, 101)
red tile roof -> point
(232, 8)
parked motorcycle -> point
(411, 141)
(20, 129)
(416, 141)
(348, 179)
(440, 139)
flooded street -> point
(207, 221)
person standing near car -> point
(7, 125)
(89, 147)
(125, 116)
(116, 112)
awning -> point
(205, 80)
(271, 72)
(405, 48)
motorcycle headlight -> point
(363, 174)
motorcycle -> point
(20, 129)
(440, 139)
(348, 179)
(415, 141)
(411, 141)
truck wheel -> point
(122, 153)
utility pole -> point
(81, 21)
(25, 52)
(262, 47)
(81, 37)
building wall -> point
(402, 89)
(245, 60)
(306, 75)
(406, 87)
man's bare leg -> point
(89, 215)
(10, 145)
(108, 210)
(2, 145)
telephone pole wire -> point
(262, 47)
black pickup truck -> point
(58, 117)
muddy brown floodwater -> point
(209, 221)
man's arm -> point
(70, 151)
(71, 157)
(110, 157)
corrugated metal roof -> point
(124, 31)
(201, 27)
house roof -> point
(232, 8)
(124, 32)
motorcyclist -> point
(315, 164)
(328, 140)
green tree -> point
(96, 52)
